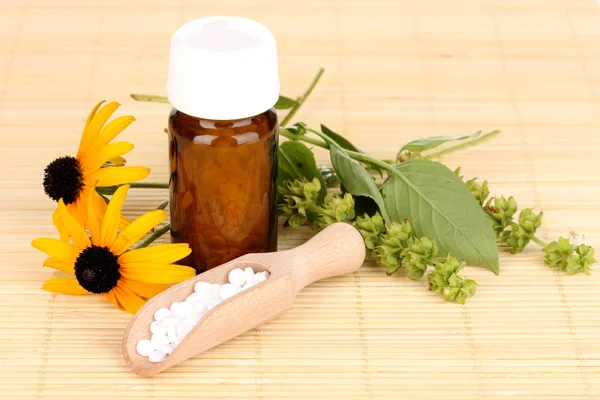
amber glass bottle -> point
(223, 136)
(223, 180)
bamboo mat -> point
(395, 70)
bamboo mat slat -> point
(395, 70)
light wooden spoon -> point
(337, 250)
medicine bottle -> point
(223, 138)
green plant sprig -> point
(409, 192)
(561, 254)
(393, 245)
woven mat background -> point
(396, 70)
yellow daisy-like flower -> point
(98, 163)
(102, 263)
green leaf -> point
(106, 200)
(296, 161)
(355, 178)
(149, 97)
(439, 205)
(435, 141)
(284, 103)
(339, 139)
(107, 191)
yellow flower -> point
(98, 163)
(101, 263)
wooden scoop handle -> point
(337, 250)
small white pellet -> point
(158, 327)
(261, 277)
(166, 349)
(183, 329)
(193, 297)
(172, 320)
(200, 307)
(144, 347)
(184, 309)
(237, 277)
(248, 285)
(228, 290)
(175, 306)
(204, 296)
(213, 303)
(161, 313)
(202, 287)
(195, 317)
(214, 291)
(249, 272)
(159, 340)
(156, 356)
(172, 334)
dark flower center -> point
(97, 269)
(63, 179)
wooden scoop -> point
(337, 250)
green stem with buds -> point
(538, 241)
(302, 98)
(158, 233)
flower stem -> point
(538, 241)
(153, 237)
(149, 185)
(302, 98)
(293, 136)
(461, 146)
(162, 206)
(355, 154)
(149, 97)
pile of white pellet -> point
(172, 324)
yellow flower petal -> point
(93, 112)
(145, 290)
(137, 229)
(57, 249)
(110, 296)
(120, 161)
(93, 220)
(94, 161)
(112, 217)
(64, 285)
(124, 222)
(60, 226)
(90, 134)
(161, 253)
(156, 272)
(60, 265)
(96, 208)
(78, 208)
(109, 132)
(111, 176)
(85, 134)
(76, 231)
(130, 301)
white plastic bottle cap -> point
(223, 68)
